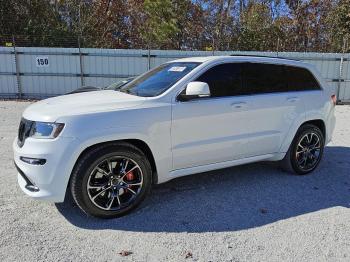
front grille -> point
(24, 131)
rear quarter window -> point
(300, 79)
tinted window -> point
(159, 79)
(300, 79)
(223, 80)
(264, 78)
(256, 78)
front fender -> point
(161, 152)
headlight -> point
(45, 130)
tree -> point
(309, 24)
(161, 24)
(190, 23)
(258, 29)
(291, 25)
(339, 26)
(36, 21)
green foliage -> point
(257, 28)
(36, 19)
(161, 23)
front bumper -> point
(29, 185)
(48, 181)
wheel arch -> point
(292, 133)
(319, 123)
(140, 144)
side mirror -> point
(194, 90)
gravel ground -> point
(248, 213)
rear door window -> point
(264, 78)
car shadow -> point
(232, 199)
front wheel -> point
(306, 150)
(111, 180)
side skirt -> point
(220, 165)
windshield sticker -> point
(177, 69)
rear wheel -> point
(306, 150)
(111, 180)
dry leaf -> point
(125, 253)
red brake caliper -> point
(130, 176)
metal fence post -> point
(81, 64)
(341, 64)
(340, 77)
(18, 76)
(213, 46)
(149, 57)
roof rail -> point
(265, 56)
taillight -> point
(334, 99)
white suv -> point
(183, 117)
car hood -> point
(49, 110)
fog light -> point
(33, 161)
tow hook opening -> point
(30, 185)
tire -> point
(296, 155)
(115, 166)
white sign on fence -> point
(42, 61)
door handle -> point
(238, 104)
(292, 99)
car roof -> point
(244, 58)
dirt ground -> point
(249, 213)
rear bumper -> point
(331, 121)
(49, 180)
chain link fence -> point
(205, 43)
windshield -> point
(119, 84)
(159, 79)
